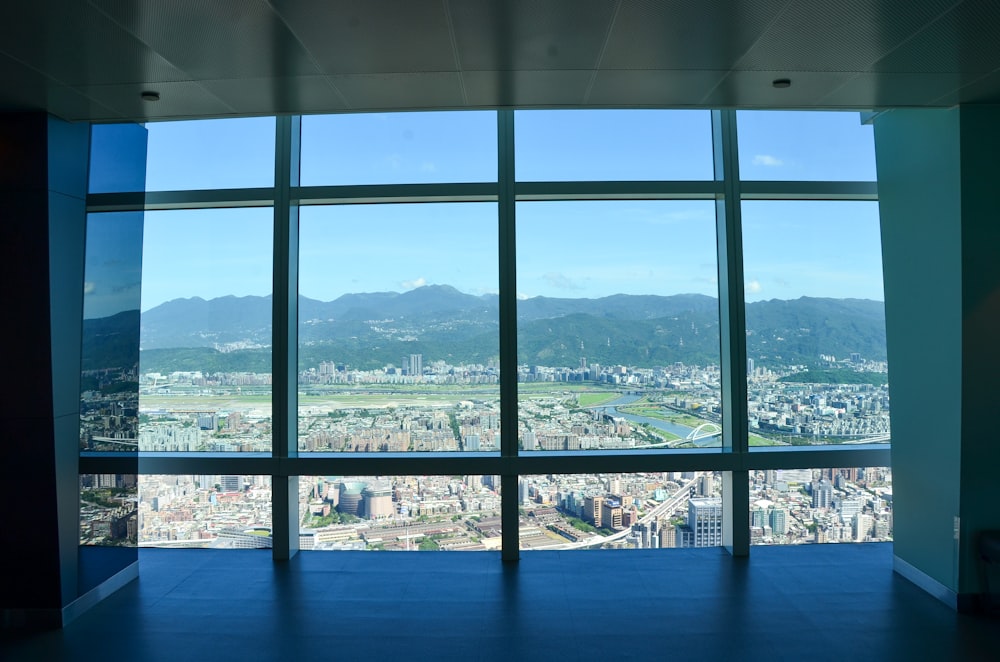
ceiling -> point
(91, 60)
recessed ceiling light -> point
(149, 95)
(781, 83)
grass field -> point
(594, 399)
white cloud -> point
(767, 160)
(89, 287)
(561, 281)
(521, 296)
(427, 166)
(395, 161)
(413, 284)
(752, 287)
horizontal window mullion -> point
(643, 190)
(860, 455)
(825, 190)
(396, 464)
(197, 199)
(635, 461)
(394, 193)
(538, 462)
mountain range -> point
(438, 321)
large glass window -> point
(802, 506)
(210, 154)
(205, 364)
(399, 513)
(620, 511)
(399, 148)
(815, 318)
(618, 325)
(797, 146)
(613, 145)
(616, 317)
(205, 511)
(398, 339)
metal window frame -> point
(735, 459)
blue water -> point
(674, 428)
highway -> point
(667, 506)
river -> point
(681, 431)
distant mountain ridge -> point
(369, 330)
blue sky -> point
(565, 249)
(113, 264)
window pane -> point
(613, 145)
(398, 319)
(205, 511)
(205, 382)
(618, 337)
(620, 511)
(109, 389)
(399, 148)
(797, 146)
(816, 351)
(108, 509)
(399, 513)
(211, 154)
(117, 158)
(797, 506)
(108, 527)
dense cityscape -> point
(433, 406)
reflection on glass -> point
(618, 326)
(205, 382)
(398, 318)
(117, 158)
(211, 154)
(815, 319)
(108, 514)
(109, 387)
(205, 511)
(613, 145)
(801, 146)
(802, 506)
(399, 148)
(399, 513)
(620, 511)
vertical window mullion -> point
(732, 331)
(284, 342)
(508, 335)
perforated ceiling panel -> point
(90, 60)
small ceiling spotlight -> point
(781, 83)
(149, 95)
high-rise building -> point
(377, 499)
(668, 535)
(861, 526)
(611, 514)
(822, 493)
(231, 483)
(350, 499)
(849, 508)
(779, 521)
(704, 524)
(592, 506)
